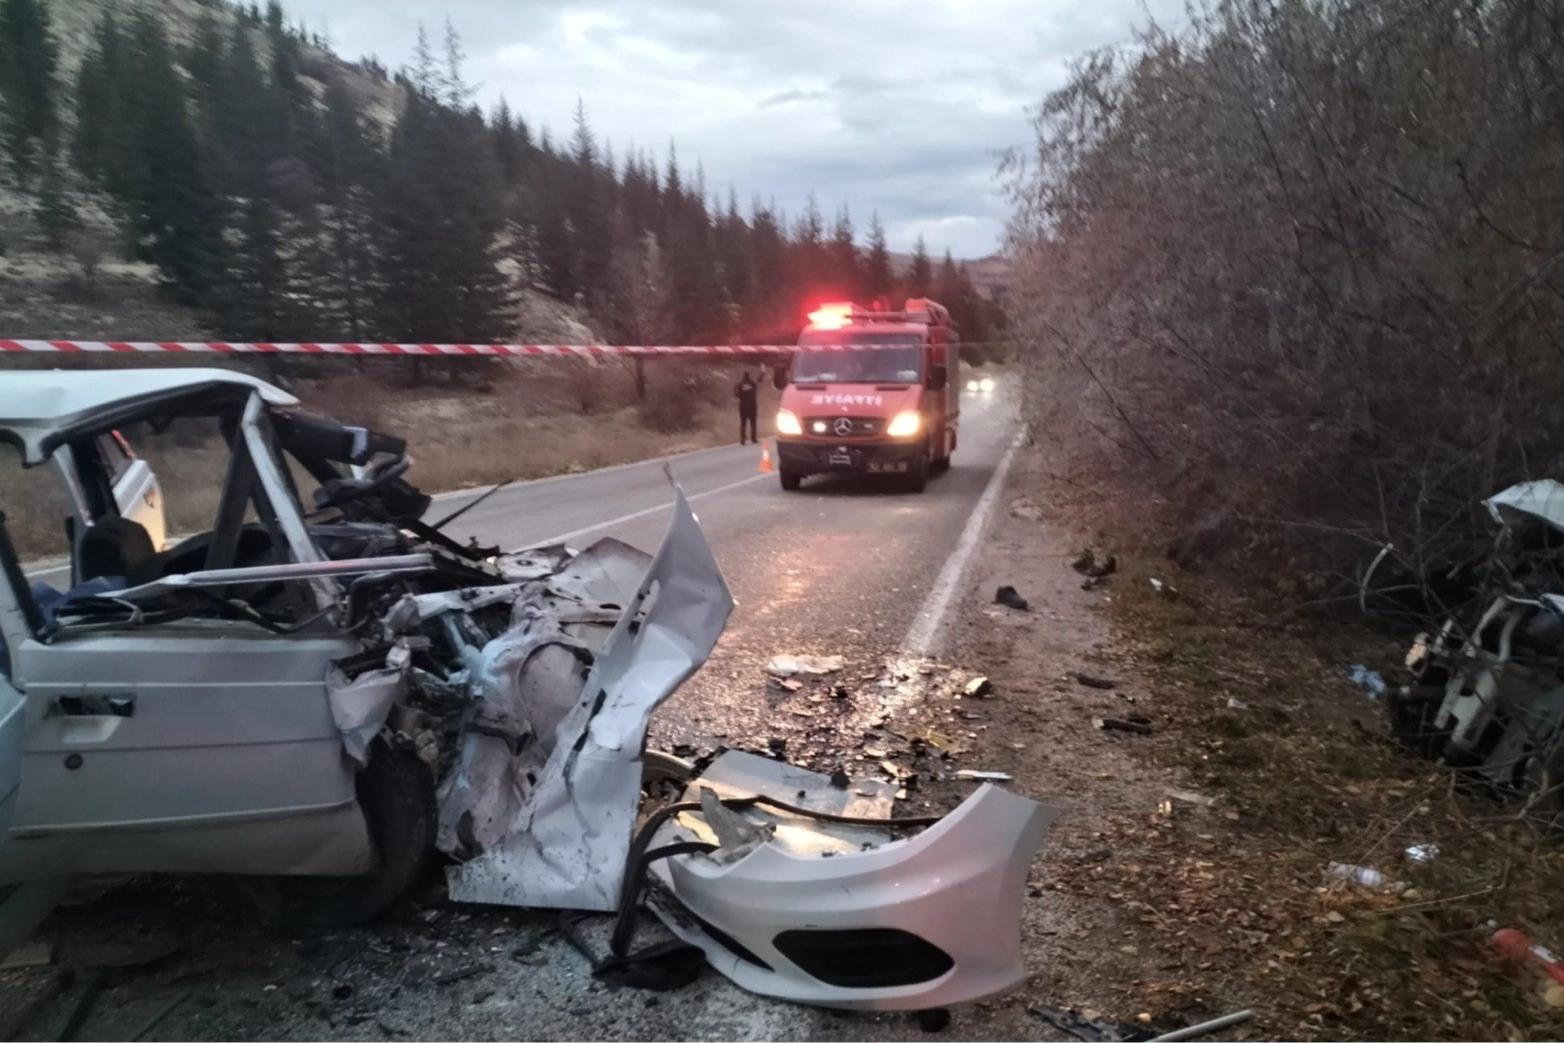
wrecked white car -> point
(1489, 688)
(325, 692)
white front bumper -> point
(907, 924)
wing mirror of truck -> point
(779, 376)
(938, 376)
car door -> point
(136, 489)
(206, 746)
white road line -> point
(920, 638)
(550, 479)
(577, 533)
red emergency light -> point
(831, 316)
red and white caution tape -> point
(225, 348)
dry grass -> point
(1310, 778)
(496, 422)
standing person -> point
(745, 391)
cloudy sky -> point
(898, 107)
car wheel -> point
(790, 480)
(942, 464)
(397, 795)
(918, 477)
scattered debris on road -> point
(978, 688)
(791, 665)
(1134, 725)
(1093, 682)
(968, 775)
(1088, 565)
(1009, 597)
(1190, 797)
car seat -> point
(113, 547)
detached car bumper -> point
(845, 915)
(818, 457)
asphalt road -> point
(841, 567)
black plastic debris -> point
(1088, 565)
(1093, 682)
(1134, 725)
(840, 779)
(1008, 597)
(935, 1020)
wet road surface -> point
(841, 567)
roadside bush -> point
(670, 408)
(1294, 273)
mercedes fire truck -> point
(870, 392)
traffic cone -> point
(765, 457)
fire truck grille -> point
(843, 426)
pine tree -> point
(920, 276)
(586, 210)
(673, 188)
(877, 276)
(846, 277)
(103, 95)
(56, 214)
(177, 219)
(455, 91)
(947, 283)
(441, 216)
(507, 144)
(28, 59)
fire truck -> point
(870, 392)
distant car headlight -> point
(972, 385)
(905, 424)
(787, 423)
(987, 384)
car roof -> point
(40, 409)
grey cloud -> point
(784, 97)
(883, 105)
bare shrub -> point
(1299, 266)
(670, 408)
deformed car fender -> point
(905, 924)
(566, 847)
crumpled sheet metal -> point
(1542, 500)
(568, 846)
(360, 707)
(523, 684)
(958, 884)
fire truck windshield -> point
(887, 365)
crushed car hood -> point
(539, 805)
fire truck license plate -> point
(840, 458)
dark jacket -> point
(745, 391)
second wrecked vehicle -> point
(323, 690)
(1488, 693)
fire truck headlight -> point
(787, 423)
(972, 385)
(987, 384)
(905, 425)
